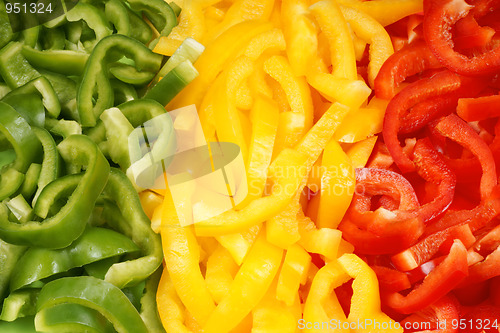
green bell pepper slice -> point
(18, 133)
(158, 12)
(42, 87)
(139, 29)
(21, 303)
(116, 13)
(50, 167)
(93, 293)
(65, 62)
(172, 83)
(29, 106)
(52, 39)
(123, 92)
(94, 19)
(74, 318)
(127, 216)
(6, 33)
(9, 256)
(20, 208)
(93, 245)
(96, 78)
(149, 309)
(10, 181)
(62, 228)
(14, 68)
(30, 183)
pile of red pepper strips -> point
(424, 215)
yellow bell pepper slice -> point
(283, 228)
(229, 124)
(181, 254)
(271, 41)
(322, 306)
(273, 316)
(293, 273)
(238, 244)
(296, 89)
(299, 30)
(324, 241)
(286, 173)
(332, 23)
(264, 117)
(215, 57)
(368, 29)
(240, 11)
(191, 24)
(249, 286)
(352, 93)
(170, 307)
(361, 124)
(365, 301)
(337, 186)
(150, 201)
(360, 152)
(220, 272)
(386, 11)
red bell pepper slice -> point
(431, 245)
(444, 278)
(390, 279)
(432, 168)
(412, 59)
(484, 270)
(479, 108)
(470, 35)
(441, 316)
(440, 16)
(442, 83)
(457, 130)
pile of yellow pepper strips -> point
(278, 78)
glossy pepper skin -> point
(96, 76)
(62, 228)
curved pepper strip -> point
(299, 160)
(322, 304)
(412, 59)
(95, 294)
(94, 244)
(441, 83)
(95, 20)
(117, 13)
(437, 33)
(386, 12)
(181, 253)
(249, 286)
(74, 317)
(369, 30)
(95, 76)
(220, 272)
(170, 306)
(365, 301)
(50, 168)
(158, 12)
(446, 276)
(132, 222)
(59, 61)
(299, 30)
(69, 222)
(334, 26)
(457, 130)
(44, 88)
(298, 96)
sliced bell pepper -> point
(93, 293)
(95, 76)
(386, 12)
(130, 219)
(479, 108)
(221, 269)
(439, 19)
(249, 286)
(447, 275)
(14, 68)
(293, 274)
(94, 244)
(62, 228)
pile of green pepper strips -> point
(77, 253)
